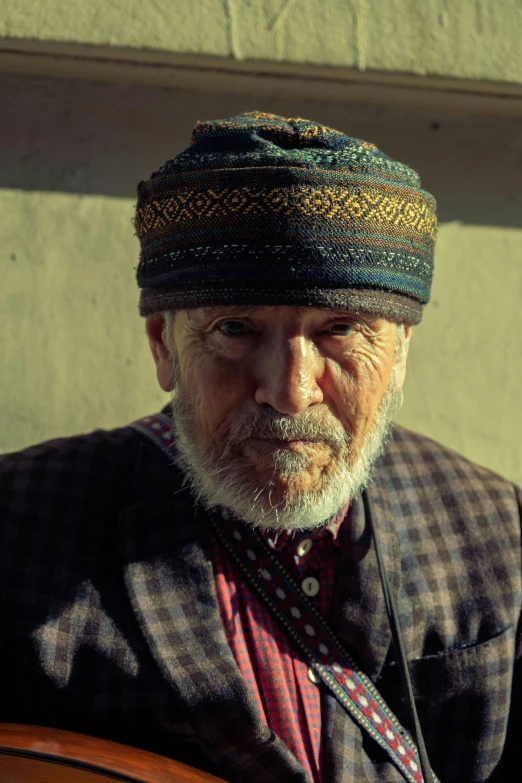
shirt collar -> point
(281, 539)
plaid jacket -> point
(110, 626)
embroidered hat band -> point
(266, 210)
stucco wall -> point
(472, 39)
(73, 351)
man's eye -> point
(232, 328)
(341, 330)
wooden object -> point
(35, 754)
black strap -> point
(398, 643)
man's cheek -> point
(215, 424)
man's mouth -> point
(285, 441)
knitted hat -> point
(266, 210)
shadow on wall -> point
(83, 137)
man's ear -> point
(154, 325)
(400, 365)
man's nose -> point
(287, 375)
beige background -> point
(473, 39)
(93, 100)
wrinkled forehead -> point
(197, 315)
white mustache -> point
(277, 427)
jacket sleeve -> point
(8, 528)
(512, 757)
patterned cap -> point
(262, 209)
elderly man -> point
(266, 580)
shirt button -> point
(304, 547)
(310, 586)
(313, 676)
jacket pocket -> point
(462, 698)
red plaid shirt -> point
(275, 673)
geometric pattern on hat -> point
(190, 208)
(278, 205)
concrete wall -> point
(435, 84)
(471, 39)
(73, 350)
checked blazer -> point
(109, 623)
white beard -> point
(218, 479)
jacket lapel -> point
(361, 619)
(168, 573)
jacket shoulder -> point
(74, 482)
(414, 461)
(85, 453)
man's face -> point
(280, 411)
